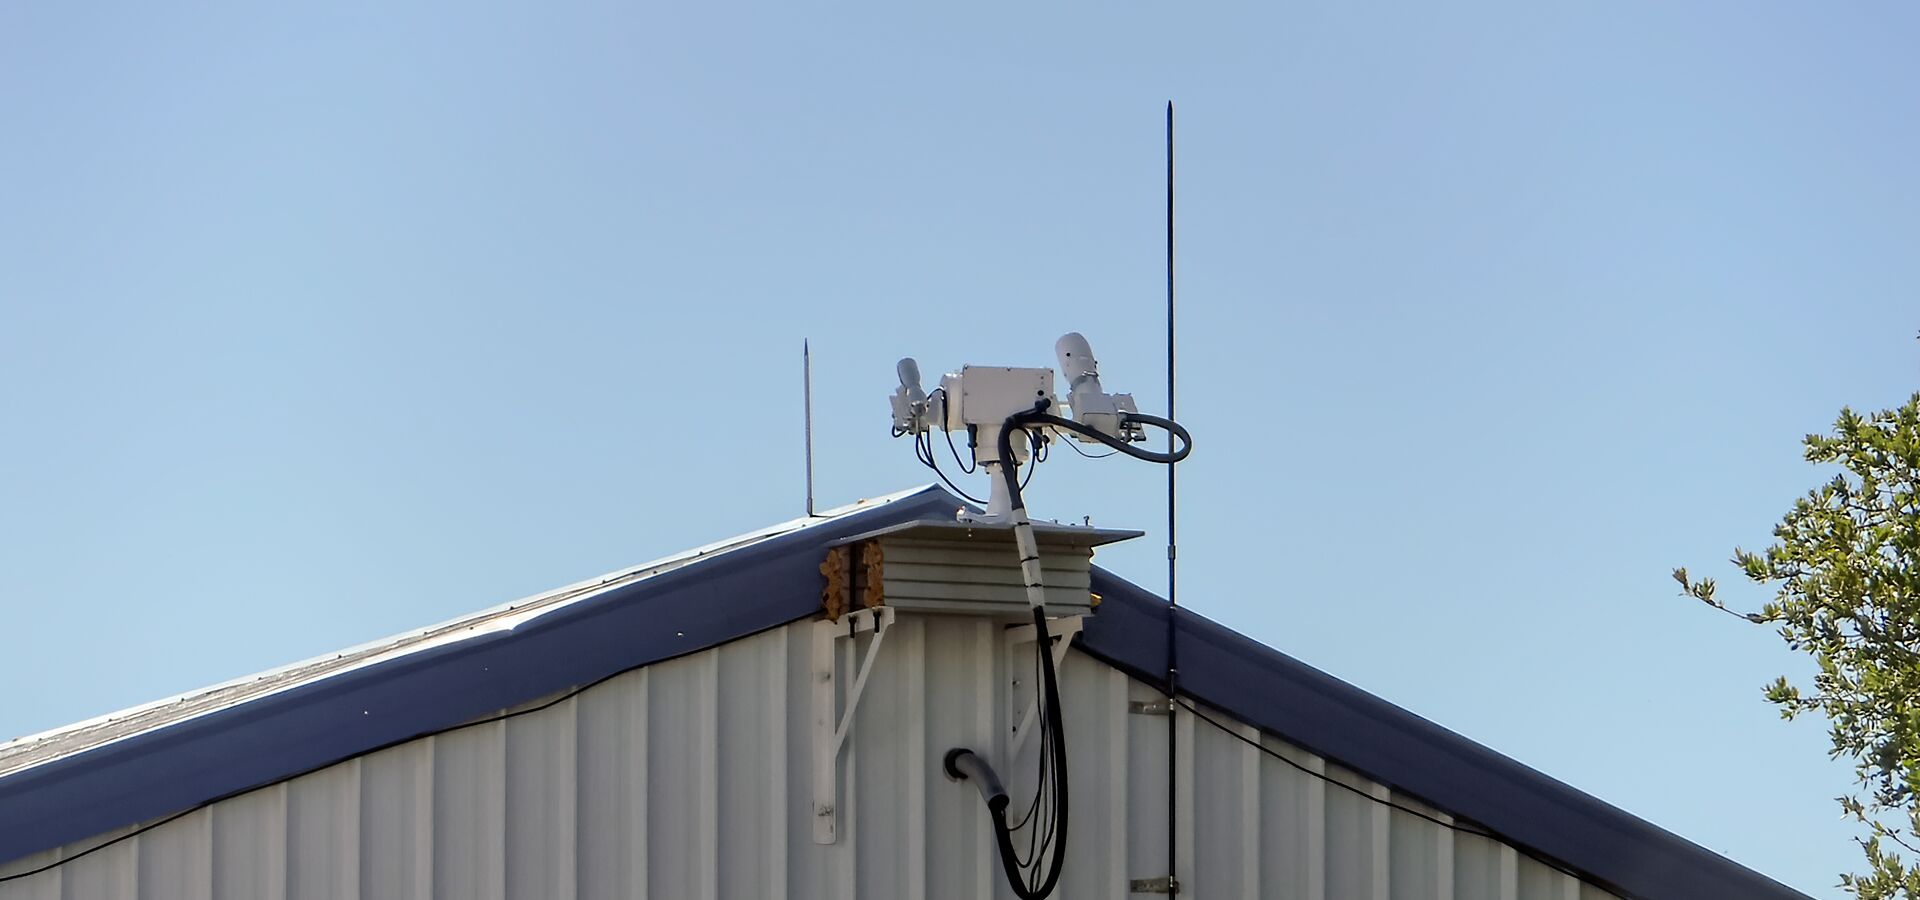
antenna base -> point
(999, 501)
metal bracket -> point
(1150, 707)
(830, 726)
(1062, 631)
(1165, 884)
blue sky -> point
(319, 325)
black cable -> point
(923, 451)
(1041, 723)
(923, 448)
(1033, 460)
(1040, 836)
(1009, 856)
(1121, 446)
(1383, 801)
(1050, 830)
(1054, 740)
(1032, 858)
(1046, 822)
(1047, 831)
(1074, 446)
(966, 468)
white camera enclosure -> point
(987, 395)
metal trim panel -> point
(1047, 533)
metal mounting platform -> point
(972, 568)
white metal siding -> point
(691, 779)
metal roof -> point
(24, 752)
(150, 761)
(154, 760)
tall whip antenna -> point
(1172, 522)
(1173, 660)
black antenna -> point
(1172, 522)
(1173, 660)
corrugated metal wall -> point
(692, 779)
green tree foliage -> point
(1845, 565)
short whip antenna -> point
(806, 402)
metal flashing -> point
(1052, 532)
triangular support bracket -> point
(830, 724)
(1024, 704)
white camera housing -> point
(987, 395)
(980, 398)
(1091, 406)
(908, 400)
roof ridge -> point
(500, 617)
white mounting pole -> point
(999, 501)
